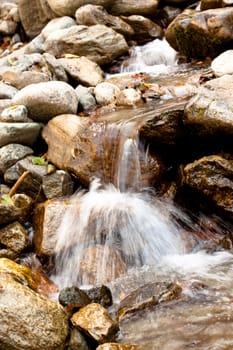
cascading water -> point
(117, 226)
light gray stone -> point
(106, 93)
(24, 133)
(12, 153)
(223, 64)
(15, 114)
(46, 100)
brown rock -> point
(13, 240)
(95, 321)
(116, 346)
(134, 7)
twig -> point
(18, 183)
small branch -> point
(18, 183)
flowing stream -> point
(118, 233)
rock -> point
(35, 322)
(116, 346)
(222, 64)
(9, 18)
(21, 79)
(13, 240)
(146, 296)
(212, 176)
(83, 70)
(46, 100)
(200, 34)
(47, 218)
(128, 97)
(35, 16)
(7, 91)
(56, 24)
(66, 8)
(134, 7)
(95, 321)
(101, 295)
(90, 264)
(164, 126)
(57, 184)
(56, 69)
(144, 28)
(73, 298)
(210, 4)
(85, 98)
(89, 15)
(210, 111)
(12, 153)
(5, 103)
(98, 43)
(23, 133)
(106, 93)
(77, 341)
(18, 211)
(89, 149)
(15, 114)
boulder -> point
(223, 64)
(98, 43)
(116, 346)
(35, 16)
(13, 240)
(35, 322)
(77, 341)
(212, 176)
(47, 218)
(23, 133)
(46, 100)
(200, 34)
(68, 8)
(7, 91)
(91, 149)
(15, 114)
(17, 210)
(9, 18)
(210, 111)
(83, 70)
(12, 153)
(57, 184)
(134, 7)
(89, 15)
(106, 93)
(95, 321)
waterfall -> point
(115, 226)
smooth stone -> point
(85, 98)
(15, 114)
(223, 64)
(24, 133)
(47, 100)
(7, 91)
(106, 93)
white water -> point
(155, 57)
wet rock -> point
(15, 114)
(95, 321)
(83, 70)
(116, 346)
(18, 211)
(101, 295)
(34, 322)
(12, 153)
(129, 97)
(209, 112)
(35, 16)
(134, 7)
(85, 98)
(13, 240)
(164, 125)
(89, 264)
(73, 298)
(66, 8)
(57, 184)
(98, 43)
(212, 176)
(200, 34)
(147, 296)
(23, 133)
(222, 64)
(77, 341)
(47, 218)
(86, 149)
(106, 93)
(144, 28)
(7, 91)
(91, 14)
(46, 100)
